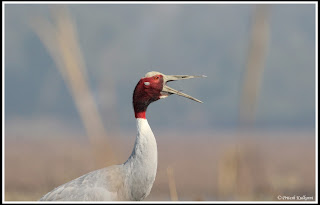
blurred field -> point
(222, 166)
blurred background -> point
(70, 71)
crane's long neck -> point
(141, 167)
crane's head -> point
(152, 87)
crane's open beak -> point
(166, 90)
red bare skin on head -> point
(146, 91)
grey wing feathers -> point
(99, 185)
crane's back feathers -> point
(99, 185)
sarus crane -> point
(132, 180)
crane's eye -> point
(156, 77)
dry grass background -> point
(215, 168)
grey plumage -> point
(102, 184)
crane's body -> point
(133, 179)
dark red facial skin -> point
(143, 94)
